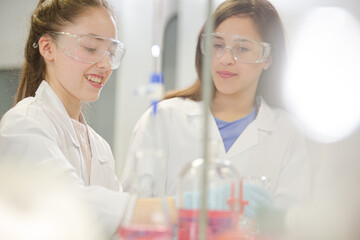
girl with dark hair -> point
(248, 48)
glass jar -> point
(224, 202)
(153, 223)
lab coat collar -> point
(93, 145)
(193, 108)
(266, 116)
(264, 119)
(264, 122)
(47, 96)
(249, 138)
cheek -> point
(214, 65)
(258, 70)
(252, 70)
(73, 68)
(69, 71)
(108, 75)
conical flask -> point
(152, 221)
(224, 206)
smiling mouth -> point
(94, 79)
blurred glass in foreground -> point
(232, 202)
(154, 222)
(35, 205)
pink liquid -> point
(141, 232)
(218, 222)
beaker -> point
(224, 199)
(154, 222)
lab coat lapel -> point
(195, 112)
(97, 159)
(250, 136)
(48, 96)
(215, 135)
(245, 141)
(94, 158)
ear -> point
(46, 48)
(267, 63)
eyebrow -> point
(99, 36)
(218, 37)
(92, 34)
(236, 40)
(242, 40)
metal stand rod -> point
(207, 93)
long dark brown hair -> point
(49, 16)
(269, 25)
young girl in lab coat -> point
(248, 49)
(71, 51)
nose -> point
(227, 57)
(104, 62)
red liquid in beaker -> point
(140, 232)
(218, 222)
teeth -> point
(94, 79)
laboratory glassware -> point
(157, 225)
(224, 202)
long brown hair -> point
(270, 27)
(49, 16)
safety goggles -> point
(242, 49)
(91, 48)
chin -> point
(228, 93)
(227, 90)
(91, 99)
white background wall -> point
(135, 30)
(14, 22)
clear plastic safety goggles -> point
(242, 49)
(91, 48)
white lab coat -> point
(272, 145)
(39, 131)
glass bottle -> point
(224, 206)
(154, 223)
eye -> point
(218, 45)
(241, 49)
(89, 45)
(89, 49)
